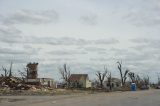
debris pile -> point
(28, 81)
(13, 83)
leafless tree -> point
(10, 70)
(158, 80)
(123, 76)
(158, 76)
(138, 79)
(101, 76)
(95, 83)
(7, 76)
(146, 80)
(109, 79)
(132, 76)
(23, 74)
(7, 73)
(65, 74)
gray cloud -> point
(19, 59)
(16, 59)
(31, 17)
(18, 53)
(69, 41)
(94, 49)
(67, 52)
(56, 41)
(146, 13)
(102, 59)
(132, 55)
(16, 49)
(89, 19)
(9, 34)
(63, 59)
(141, 61)
(147, 43)
(11, 51)
(140, 40)
(106, 41)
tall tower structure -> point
(32, 69)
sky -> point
(87, 35)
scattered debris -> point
(28, 81)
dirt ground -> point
(138, 98)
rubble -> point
(13, 83)
(28, 81)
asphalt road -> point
(138, 98)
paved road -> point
(139, 98)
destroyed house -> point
(32, 70)
(79, 81)
(32, 77)
(45, 82)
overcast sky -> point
(85, 34)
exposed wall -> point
(88, 84)
(32, 69)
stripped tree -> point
(7, 73)
(138, 79)
(101, 76)
(132, 76)
(23, 74)
(65, 74)
(146, 80)
(109, 80)
(158, 79)
(7, 77)
(123, 76)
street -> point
(138, 98)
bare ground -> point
(138, 98)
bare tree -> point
(101, 76)
(146, 80)
(140, 82)
(158, 76)
(10, 70)
(24, 74)
(109, 77)
(158, 80)
(138, 79)
(123, 76)
(132, 76)
(65, 74)
(95, 83)
(7, 73)
(7, 76)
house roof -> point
(116, 80)
(77, 77)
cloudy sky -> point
(85, 34)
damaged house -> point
(32, 77)
(115, 83)
(79, 81)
